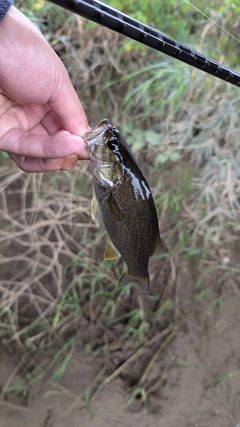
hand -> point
(41, 116)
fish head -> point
(103, 145)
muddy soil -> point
(205, 347)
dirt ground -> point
(181, 388)
(205, 347)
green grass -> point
(183, 127)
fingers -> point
(66, 104)
(42, 100)
(43, 79)
(29, 164)
(70, 162)
(27, 144)
(51, 123)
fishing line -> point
(115, 20)
(210, 19)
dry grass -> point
(41, 224)
(51, 274)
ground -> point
(205, 347)
(185, 371)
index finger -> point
(66, 104)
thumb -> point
(61, 144)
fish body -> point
(125, 201)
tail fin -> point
(143, 282)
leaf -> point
(161, 158)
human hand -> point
(41, 116)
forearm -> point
(4, 6)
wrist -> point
(4, 6)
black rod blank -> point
(111, 18)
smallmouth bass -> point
(125, 202)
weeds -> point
(183, 126)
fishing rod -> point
(111, 18)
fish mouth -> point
(97, 133)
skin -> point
(41, 116)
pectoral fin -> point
(94, 207)
(115, 208)
(143, 282)
(111, 252)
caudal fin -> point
(143, 282)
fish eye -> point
(112, 143)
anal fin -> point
(161, 246)
(111, 252)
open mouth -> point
(97, 132)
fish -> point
(125, 202)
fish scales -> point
(125, 201)
(136, 236)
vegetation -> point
(183, 127)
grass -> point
(60, 280)
(183, 127)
